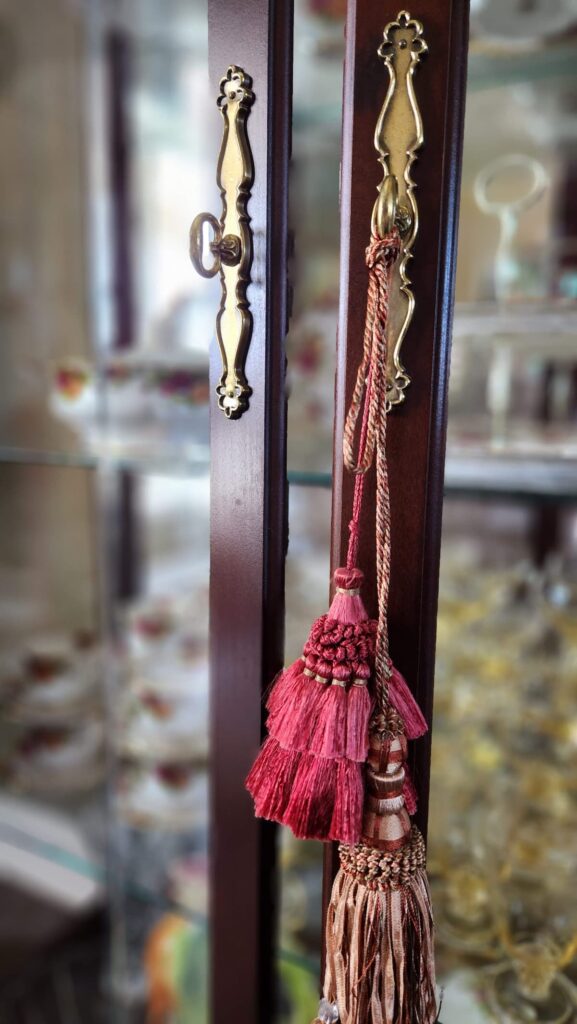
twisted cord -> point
(370, 395)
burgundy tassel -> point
(293, 724)
(403, 701)
(271, 778)
(409, 792)
(379, 930)
(359, 707)
(284, 686)
(329, 738)
(310, 807)
(308, 774)
(347, 816)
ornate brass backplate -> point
(398, 136)
(231, 247)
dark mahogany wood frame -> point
(249, 529)
(416, 429)
(248, 500)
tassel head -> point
(386, 823)
(347, 605)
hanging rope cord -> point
(370, 396)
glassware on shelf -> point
(163, 691)
(503, 827)
(165, 795)
(529, 986)
(521, 27)
(156, 726)
(466, 920)
(59, 759)
(512, 279)
(135, 404)
(60, 679)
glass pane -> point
(159, 703)
(314, 211)
(503, 823)
(110, 144)
(111, 137)
(53, 823)
(300, 939)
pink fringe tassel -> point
(284, 686)
(308, 774)
(329, 737)
(293, 724)
(271, 777)
(403, 701)
(409, 792)
(359, 706)
(346, 822)
(309, 809)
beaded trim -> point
(379, 870)
(357, 681)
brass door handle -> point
(231, 246)
(398, 137)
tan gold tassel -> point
(380, 966)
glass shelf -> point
(489, 473)
(489, 70)
(538, 327)
(480, 471)
(164, 463)
(95, 870)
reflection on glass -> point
(314, 211)
(503, 811)
(300, 939)
(110, 140)
(110, 136)
(52, 728)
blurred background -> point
(109, 139)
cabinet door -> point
(248, 533)
(132, 504)
(416, 427)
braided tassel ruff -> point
(380, 964)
